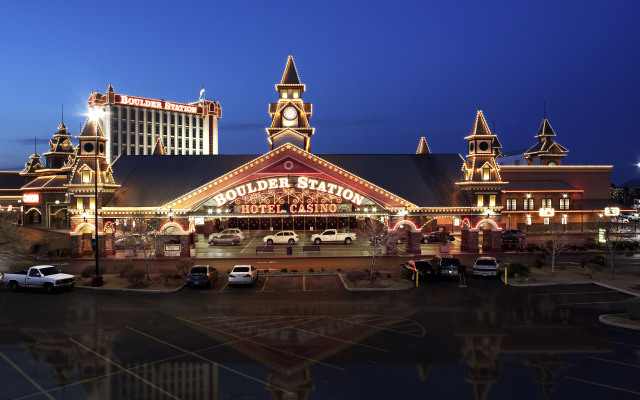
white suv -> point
(282, 237)
(231, 231)
(485, 266)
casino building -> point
(289, 187)
(135, 125)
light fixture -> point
(209, 211)
(219, 211)
(57, 202)
(170, 215)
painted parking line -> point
(419, 331)
(602, 385)
(191, 353)
(248, 244)
(224, 287)
(590, 303)
(27, 377)
(342, 340)
(600, 291)
(265, 284)
(622, 343)
(123, 369)
(614, 362)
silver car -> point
(243, 275)
(225, 239)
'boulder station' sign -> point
(302, 182)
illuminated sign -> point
(172, 250)
(303, 182)
(292, 208)
(546, 212)
(31, 198)
(158, 104)
(601, 236)
(608, 211)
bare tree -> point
(374, 237)
(554, 243)
(613, 237)
(12, 238)
(142, 236)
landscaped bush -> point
(59, 253)
(184, 266)
(519, 269)
(396, 272)
(539, 260)
(21, 266)
(168, 274)
(591, 243)
(633, 308)
(136, 276)
(531, 247)
(90, 270)
(509, 246)
(355, 275)
(598, 260)
(283, 270)
(123, 266)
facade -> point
(135, 125)
(290, 188)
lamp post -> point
(97, 278)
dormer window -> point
(486, 173)
(86, 176)
(296, 93)
(283, 93)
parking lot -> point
(279, 283)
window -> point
(164, 118)
(148, 116)
(480, 200)
(79, 203)
(512, 204)
(546, 203)
(140, 115)
(296, 93)
(86, 176)
(132, 126)
(173, 119)
(564, 203)
(546, 220)
(486, 173)
(123, 115)
(528, 220)
(283, 93)
(92, 203)
(492, 200)
(179, 120)
(564, 219)
(528, 204)
(123, 126)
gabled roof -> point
(545, 129)
(290, 76)
(173, 176)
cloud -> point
(29, 141)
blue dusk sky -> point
(380, 74)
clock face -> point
(290, 113)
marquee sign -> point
(611, 211)
(158, 104)
(546, 212)
(296, 188)
(31, 198)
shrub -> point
(598, 260)
(311, 270)
(59, 253)
(136, 275)
(519, 269)
(123, 266)
(591, 243)
(283, 270)
(90, 270)
(294, 270)
(539, 260)
(355, 275)
(396, 272)
(531, 247)
(184, 266)
(167, 274)
(21, 266)
(633, 308)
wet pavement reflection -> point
(486, 341)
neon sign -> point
(159, 104)
(303, 182)
(292, 208)
(31, 198)
(546, 212)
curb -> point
(618, 325)
(129, 290)
(625, 291)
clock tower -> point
(290, 115)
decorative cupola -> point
(546, 151)
(32, 167)
(423, 147)
(481, 174)
(60, 150)
(290, 116)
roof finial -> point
(62, 114)
(34, 146)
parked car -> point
(389, 238)
(225, 239)
(332, 235)
(282, 237)
(437, 237)
(449, 266)
(46, 277)
(485, 266)
(229, 231)
(513, 235)
(423, 268)
(243, 275)
(202, 275)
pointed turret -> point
(423, 147)
(32, 166)
(60, 148)
(546, 151)
(159, 149)
(290, 115)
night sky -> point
(379, 74)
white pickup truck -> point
(46, 277)
(332, 235)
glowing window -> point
(92, 203)
(486, 174)
(528, 219)
(86, 176)
(296, 93)
(480, 200)
(546, 220)
(564, 219)
(492, 200)
(283, 93)
(79, 203)
(564, 204)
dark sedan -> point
(437, 237)
(202, 276)
(225, 239)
